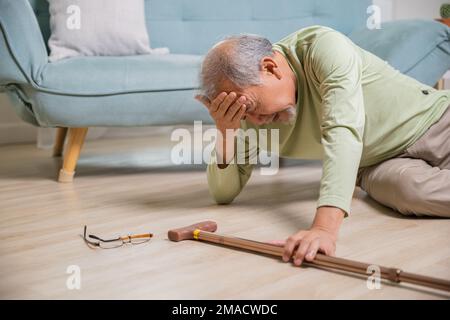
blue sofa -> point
(83, 92)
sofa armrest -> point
(22, 48)
(410, 45)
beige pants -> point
(417, 181)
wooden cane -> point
(205, 231)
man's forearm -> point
(329, 219)
(225, 147)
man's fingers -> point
(291, 243)
(240, 114)
(301, 251)
(235, 108)
(222, 109)
(215, 104)
(312, 251)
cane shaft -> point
(321, 260)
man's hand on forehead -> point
(227, 109)
(222, 95)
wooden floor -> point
(128, 186)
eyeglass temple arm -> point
(98, 238)
(137, 236)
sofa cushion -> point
(121, 110)
(407, 46)
(114, 75)
(85, 28)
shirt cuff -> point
(337, 202)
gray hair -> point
(238, 62)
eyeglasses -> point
(117, 242)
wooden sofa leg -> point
(59, 142)
(76, 139)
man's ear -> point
(269, 65)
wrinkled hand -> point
(225, 109)
(305, 244)
(322, 236)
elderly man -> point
(330, 100)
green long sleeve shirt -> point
(353, 110)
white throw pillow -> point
(97, 28)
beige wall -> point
(411, 9)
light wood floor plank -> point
(129, 186)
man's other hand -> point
(321, 237)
